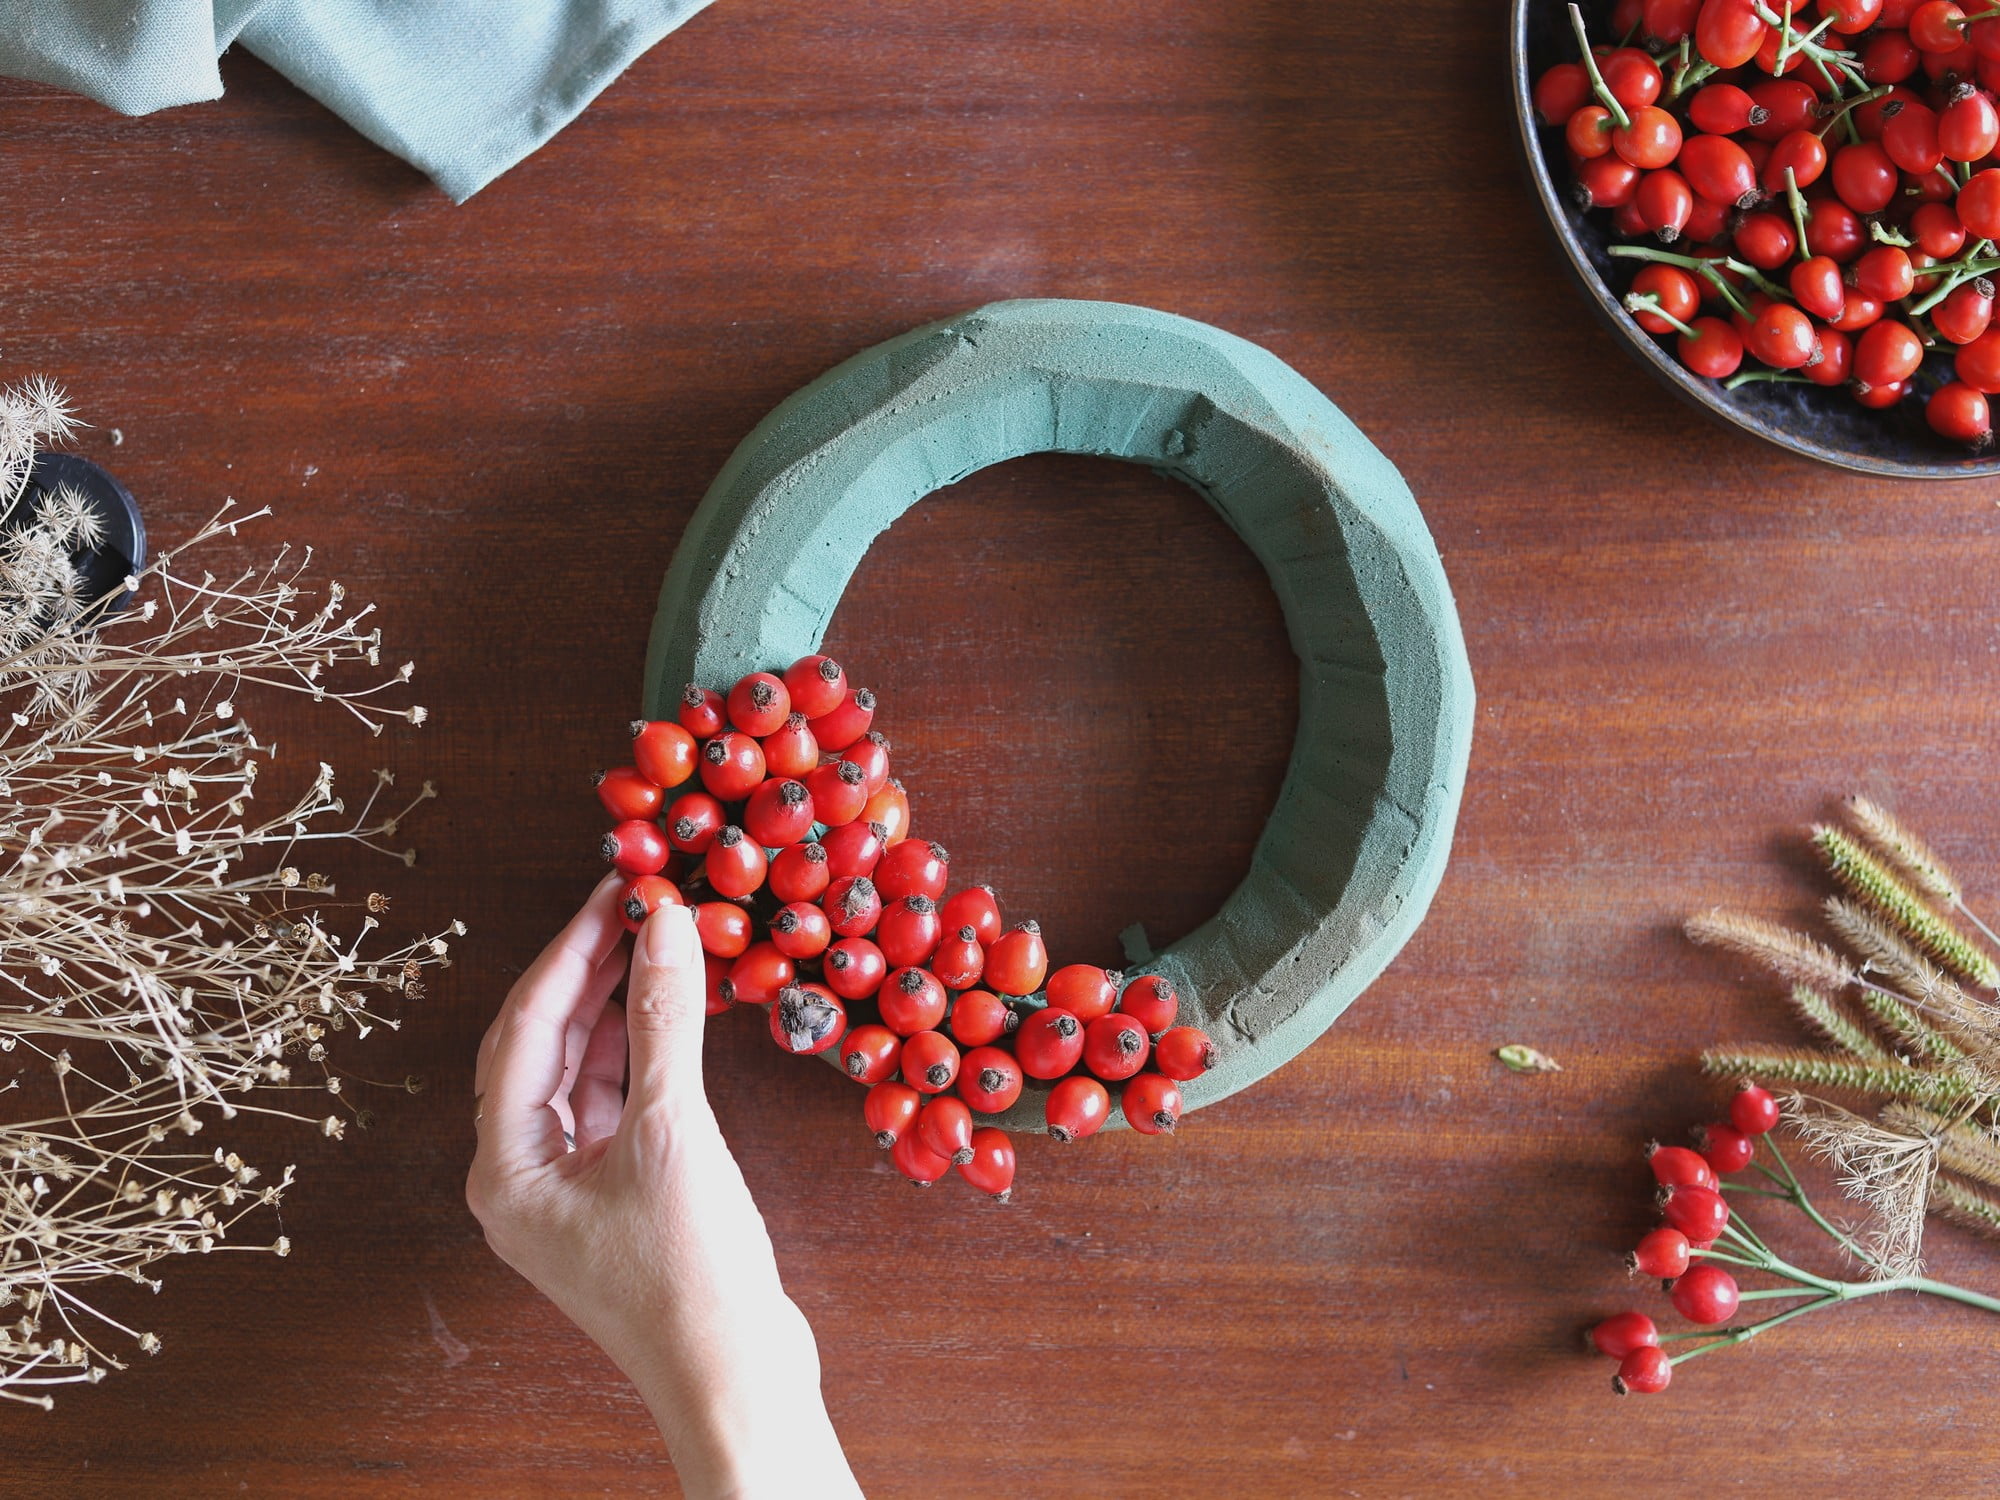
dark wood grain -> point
(1364, 1276)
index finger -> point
(562, 969)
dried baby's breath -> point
(166, 970)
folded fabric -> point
(462, 89)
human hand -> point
(645, 1233)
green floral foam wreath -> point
(1357, 842)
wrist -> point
(750, 1421)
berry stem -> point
(1847, 107)
(1647, 302)
(1798, 1195)
(1604, 94)
(1743, 1335)
(1797, 202)
(1777, 377)
(1710, 269)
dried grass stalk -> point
(1911, 857)
(1874, 883)
(1788, 954)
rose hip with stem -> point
(990, 1164)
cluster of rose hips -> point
(1695, 1216)
(771, 811)
(1827, 179)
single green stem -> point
(1882, 234)
(1755, 1263)
(1755, 1192)
(1848, 106)
(1772, 377)
(1604, 94)
(1711, 270)
(1737, 1336)
(1784, 41)
(1798, 206)
(1839, 1237)
(1950, 1293)
(1765, 1293)
(1638, 302)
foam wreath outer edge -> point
(1357, 841)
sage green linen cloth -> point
(462, 89)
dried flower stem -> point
(165, 963)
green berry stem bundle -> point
(1704, 1246)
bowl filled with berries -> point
(1790, 213)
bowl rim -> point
(1642, 346)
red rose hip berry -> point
(664, 752)
(735, 864)
(989, 1080)
(1084, 990)
(959, 960)
(1115, 1047)
(1183, 1052)
(911, 1001)
(790, 749)
(1753, 1110)
(1645, 1371)
(1152, 1104)
(908, 932)
(1661, 1253)
(1621, 1333)
(1706, 1295)
(732, 766)
(852, 906)
(1697, 1212)
(800, 930)
(890, 1112)
(1077, 1107)
(627, 795)
(1049, 1043)
(990, 1166)
(974, 907)
(807, 1018)
(930, 1062)
(759, 704)
(702, 713)
(815, 684)
(1016, 961)
(979, 1018)
(1151, 1001)
(643, 895)
(871, 1054)
(843, 724)
(799, 873)
(636, 847)
(945, 1125)
(912, 869)
(854, 968)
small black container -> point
(1817, 422)
(122, 553)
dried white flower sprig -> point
(169, 961)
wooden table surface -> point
(1366, 1275)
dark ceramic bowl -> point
(1810, 420)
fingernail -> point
(609, 882)
(667, 932)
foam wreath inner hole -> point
(1357, 841)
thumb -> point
(666, 1007)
